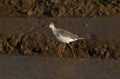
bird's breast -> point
(64, 39)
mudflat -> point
(29, 50)
(32, 36)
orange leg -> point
(62, 50)
(74, 56)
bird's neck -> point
(54, 29)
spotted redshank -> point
(65, 37)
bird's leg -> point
(74, 56)
(62, 50)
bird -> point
(65, 37)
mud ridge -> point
(59, 8)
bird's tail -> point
(80, 38)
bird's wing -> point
(66, 34)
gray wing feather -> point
(66, 34)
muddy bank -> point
(58, 8)
(31, 36)
(35, 67)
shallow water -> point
(36, 67)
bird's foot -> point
(74, 57)
(60, 56)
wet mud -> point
(28, 49)
(31, 36)
(59, 8)
(36, 67)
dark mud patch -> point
(31, 36)
(58, 8)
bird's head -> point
(51, 26)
